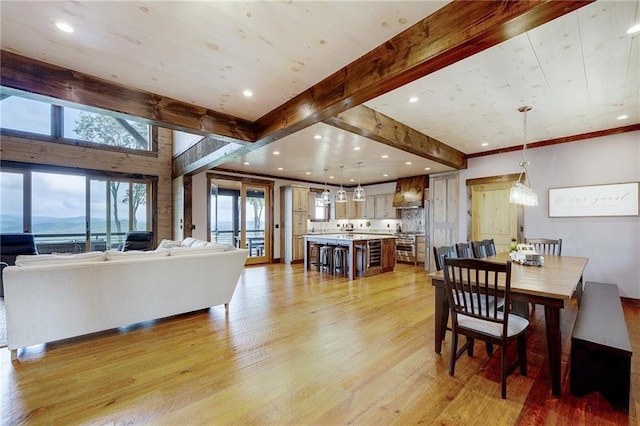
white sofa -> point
(49, 297)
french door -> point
(240, 214)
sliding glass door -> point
(239, 215)
(73, 213)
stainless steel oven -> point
(406, 248)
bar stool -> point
(340, 260)
(314, 255)
(326, 258)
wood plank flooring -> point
(297, 348)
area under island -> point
(367, 254)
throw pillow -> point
(188, 242)
(167, 244)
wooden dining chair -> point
(489, 247)
(471, 285)
(440, 252)
(546, 245)
(463, 250)
(478, 249)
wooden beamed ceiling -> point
(454, 32)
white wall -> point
(611, 243)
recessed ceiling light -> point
(427, 168)
(413, 99)
(385, 156)
(484, 144)
(385, 175)
(330, 177)
(317, 137)
(307, 173)
(279, 168)
(634, 29)
(357, 148)
(63, 26)
(351, 180)
(276, 152)
(622, 117)
(248, 93)
(246, 163)
(408, 163)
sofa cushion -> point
(167, 244)
(59, 259)
(135, 254)
(193, 242)
(215, 247)
(188, 242)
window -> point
(72, 213)
(11, 196)
(66, 124)
(105, 129)
(25, 115)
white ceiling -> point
(578, 72)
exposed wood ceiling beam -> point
(371, 124)
(456, 31)
(29, 75)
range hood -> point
(410, 192)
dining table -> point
(551, 285)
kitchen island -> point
(367, 254)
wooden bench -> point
(600, 347)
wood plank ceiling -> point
(367, 97)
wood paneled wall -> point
(158, 164)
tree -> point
(113, 131)
(258, 206)
(139, 197)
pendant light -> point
(341, 195)
(521, 192)
(358, 194)
(326, 195)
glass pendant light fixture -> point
(358, 194)
(521, 192)
(341, 195)
(326, 195)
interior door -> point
(443, 220)
(492, 214)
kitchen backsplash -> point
(412, 220)
(377, 226)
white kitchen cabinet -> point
(383, 208)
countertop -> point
(350, 237)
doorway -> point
(240, 215)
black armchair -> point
(12, 245)
(138, 240)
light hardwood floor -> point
(296, 348)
